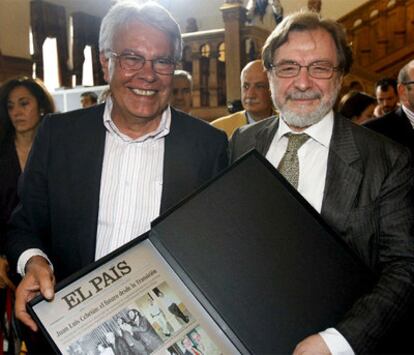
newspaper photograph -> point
(132, 304)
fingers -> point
(39, 278)
(24, 293)
(47, 283)
(40, 269)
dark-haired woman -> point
(23, 103)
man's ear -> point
(402, 92)
(341, 80)
(105, 66)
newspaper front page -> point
(132, 304)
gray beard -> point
(298, 120)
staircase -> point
(382, 36)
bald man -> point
(255, 97)
(181, 97)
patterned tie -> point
(289, 165)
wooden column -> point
(196, 77)
(212, 80)
(234, 15)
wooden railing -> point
(382, 36)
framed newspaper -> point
(228, 270)
(130, 302)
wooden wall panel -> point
(13, 66)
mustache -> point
(251, 101)
(306, 95)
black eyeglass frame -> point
(273, 68)
(154, 62)
(411, 82)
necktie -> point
(289, 165)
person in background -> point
(88, 99)
(181, 97)
(98, 177)
(399, 124)
(360, 182)
(357, 106)
(23, 104)
(387, 96)
(255, 97)
(315, 5)
(264, 13)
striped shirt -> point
(409, 113)
(131, 183)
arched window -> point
(204, 74)
(221, 74)
(50, 64)
(222, 52)
(49, 33)
(187, 61)
(251, 51)
(31, 50)
(205, 50)
(87, 68)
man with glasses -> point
(98, 177)
(399, 124)
(360, 183)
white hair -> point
(125, 12)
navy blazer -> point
(61, 184)
(368, 201)
(396, 126)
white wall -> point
(15, 16)
(14, 28)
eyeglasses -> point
(133, 62)
(408, 82)
(317, 70)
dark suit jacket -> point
(368, 201)
(61, 183)
(395, 125)
(9, 175)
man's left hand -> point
(312, 345)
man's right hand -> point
(39, 278)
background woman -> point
(23, 103)
(357, 106)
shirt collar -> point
(249, 117)
(409, 113)
(160, 132)
(320, 132)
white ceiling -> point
(207, 12)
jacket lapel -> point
(171, 166)
(265, 136)
(343, 176)
(90, 148)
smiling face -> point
(23, 110)
(303, 100)
(139, 97)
